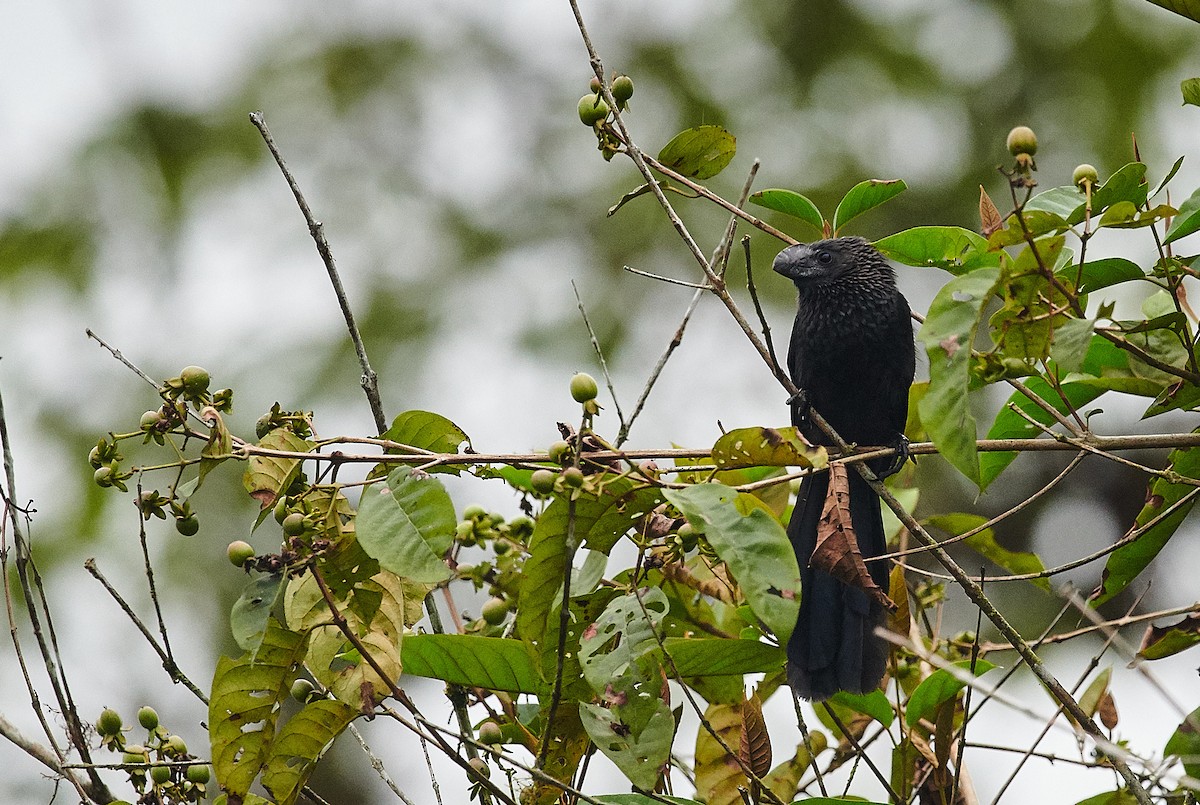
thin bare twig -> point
(370, 384)
(599, 355)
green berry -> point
(622, 90)
(1022, 140)
(594, 85)
(464, 530)
(239, 552)
(188, 526)
(281, 509)
(474, 512)
(302, 689)
(160, 774)
(148, 718)
(94, 457)
(198, 773)
(109, 722)
(543, 481)
(489, 733)
(480, 767)
(559, 451)
(195, 379)
(1085, 175)
(293, 524)
(134, 753)
(103, 476)
(583, 387)
(150, 420)
(262, 427)
(175, 745)
(495, 611)
(573, 477)
(592, 109)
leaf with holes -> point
(268, 477)
(766, 447)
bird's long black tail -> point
(834, 647)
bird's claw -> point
(902, 454)
(800, 405)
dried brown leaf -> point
(754, 748)
(989, 217)
(1108, 711)
(837, 551)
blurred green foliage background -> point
(440, 147)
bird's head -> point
(829, 261)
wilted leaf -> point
(699, 153)
(766, 447)
(300, 744)
(1163, 641)
(989, 216)
(790, 203)
(717, 772)
(219, 446)
(267, 477)
(837, 551)
(784, 779)
(754, 748)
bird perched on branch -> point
(852, 357)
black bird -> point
(852, 357)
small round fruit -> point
(281, 509)
(293, 524)
(302, 689)
(195, 379)
(148, 717)
(188, 526)
(134, 753)
(573, 477)
(1084, 175)
(109, 722)
(495, 610)
(176, 745)
(583, 387)
(542, 481)
(94, 457)
(261, 428)
(559, 451)
(594, 85)
(474, 512)
(150, 420)
(490, 734)
(501, 547)
(160, 774)
(622, 89)
(592, 109)
(464, 529)
(480, 767)
(103, 476)
(239, 552)
(198, 773)
(1022, 140)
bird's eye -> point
(824, 258)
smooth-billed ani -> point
(852, 357)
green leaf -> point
(1121, 796)
(1187, 221)
(638, 753)
(1125, 563)
(766, 447)
(426, 430)
(1184, 743)
(699, 153)
(624, 633)
(248, 618)
(985, 544)
(1127, 184)
(217, 449)
(938, 687)
(407, 524)
(1190, 89)
(1170, 175)
(1099, 274)
(300, 744)
(865, 196)
(754, 546)
(1062, 201)
(704, 656)
(947, 334)
(600, 520)
(790, 203)
(245, 705)
(1165, 641)
(491, 663)
(950, 248)
(874, 704)
(268, 477)
(1070, 343)
(1011, 425)
(377, 610)
(642, 799)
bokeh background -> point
(439, 145)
